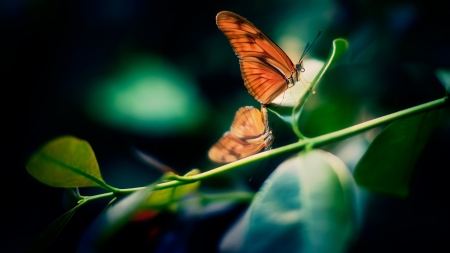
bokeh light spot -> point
(147, 96)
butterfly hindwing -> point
(248, 135)
(229, 148)
(262, 80)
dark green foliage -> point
(387, 165)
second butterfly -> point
(249, 134)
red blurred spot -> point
(144, 215)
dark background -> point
(54, 53)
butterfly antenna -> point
(305, 51)
(308, 46)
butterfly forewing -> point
(249, 43)
(247, 40)
(248, 123)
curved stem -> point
(339, 46)
(308, 142)
(99, 196)
(316, 141)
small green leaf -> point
(291, 115)
(51, 232)
(182, 190)
(387, 165)
(163, 198)
(306, 205)
(66, 162)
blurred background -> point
(141, 79)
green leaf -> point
(306, 205)
(302, 92)
(113, 219)
(51, 232)
(444, 76)
(66, 162)
(334, 113)
(162, 198)
(387, 165)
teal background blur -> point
(137, 78)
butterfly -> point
(249, 134)
(266, 69)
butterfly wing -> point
(230, 148)
(265, 67)
(249, 134)
(248, 123)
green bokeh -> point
(149, 96)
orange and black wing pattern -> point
(248, 135)
(266, 69)
(248, 123)
(229, 148)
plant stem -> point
(310, 142)
(99, 196)
(347, 132)
(339, 45)
(315, 141)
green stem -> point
(99, 196)
(301, 102)
(339, 46)
(309, 142)
(347, 132)
(315, 141)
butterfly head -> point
(298, 69)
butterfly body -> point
(249, 134)
(266, 69)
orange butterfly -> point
(266, 69)
(248, 135)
